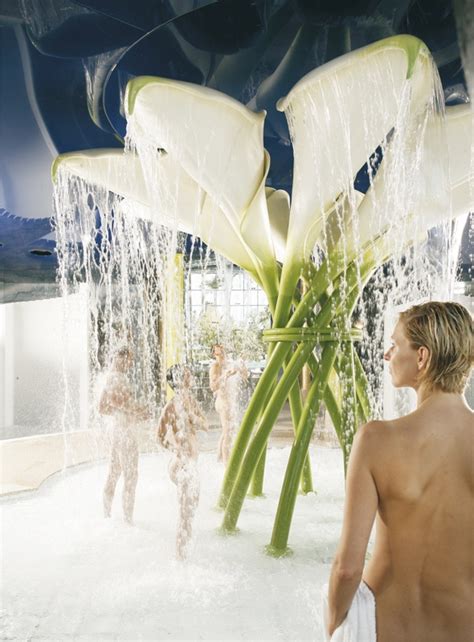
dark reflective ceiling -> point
(64, 66)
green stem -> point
(331, 308)
(332, 406)
(257, 402)
(362, 385)
(258, 476)
(279, 541)
(330, 401)
(235, 474)
(259, 440)
(349, 409)
(296, 408)
(264, 386)
(281, 529)
(271, 286)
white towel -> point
(359, 624)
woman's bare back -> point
(422, 567)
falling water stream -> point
(133, 258)
(415, 174)
(132, 266)
(129, 269)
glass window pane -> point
(196, 311)
(196, 281)
(196, 297)
(209, 297)
(251, 297)
(237, 297)
(237, 281)
(237, 314)
(219, 312)
(212, 281)
(221, 298)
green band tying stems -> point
(310, 334)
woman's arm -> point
(359, 514)
(243, 370)
(167, 425)
(214, 377)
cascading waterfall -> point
(130, 266)
(380, 108)
(122, 261)
(169, 194)
(415, 142)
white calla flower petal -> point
(438, 200)
(110, 168)
(338, 115)
(184, 204)
(218, 142)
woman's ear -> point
(423, 356)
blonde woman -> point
(414, 476)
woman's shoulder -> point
(374, 429)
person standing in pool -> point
(117, 402)
(414, 475)
(179, 422)
(225, 376)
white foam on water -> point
(68, 574)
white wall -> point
(40, 343)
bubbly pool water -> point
(69, 574)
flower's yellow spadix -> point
(278, 202)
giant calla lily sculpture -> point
(197, 162)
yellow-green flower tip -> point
(55, 167)
(413, 47)
(133, 87)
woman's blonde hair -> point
(446, 329)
